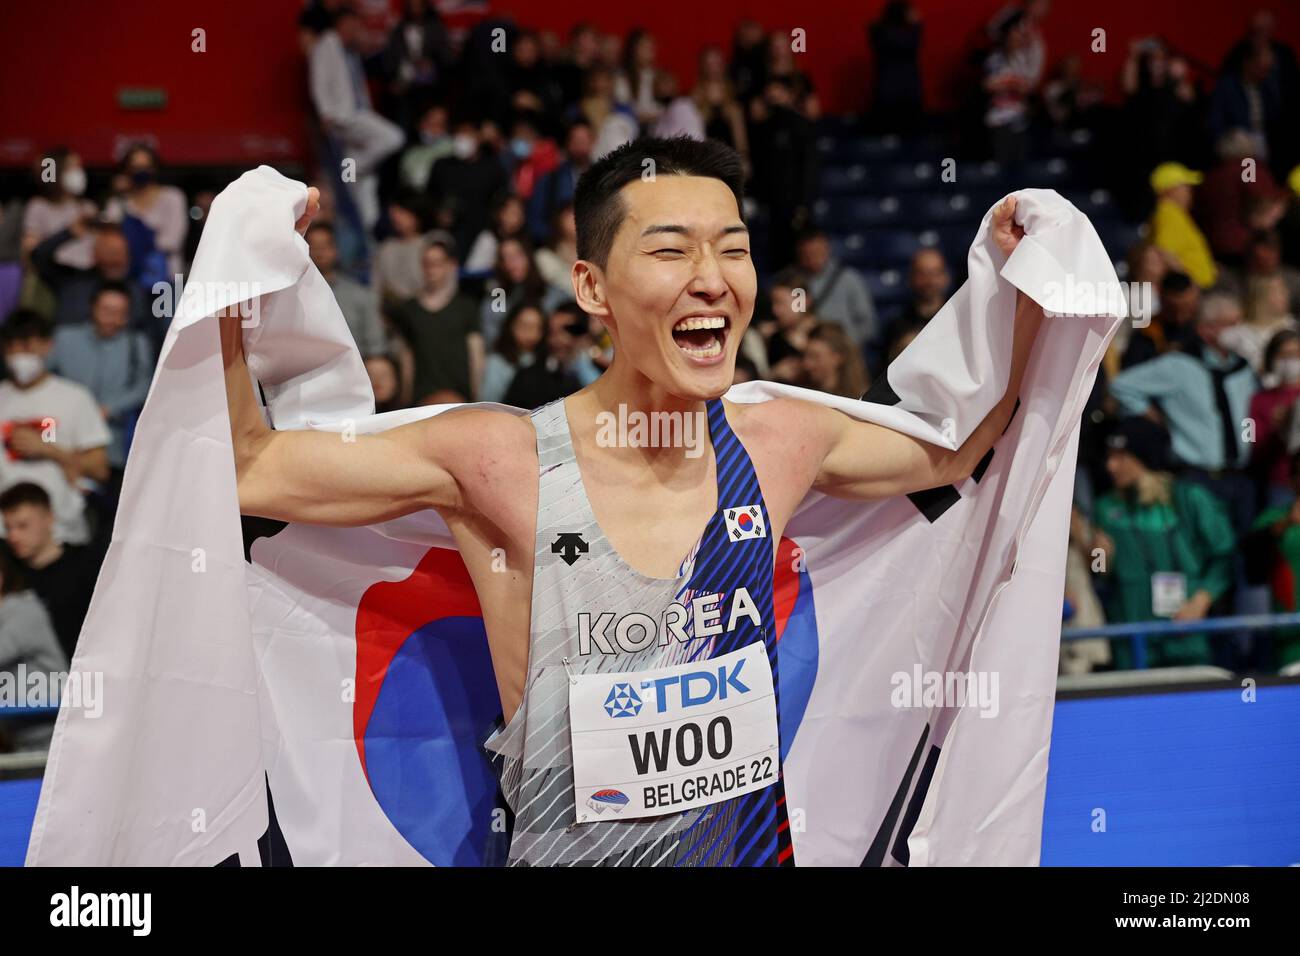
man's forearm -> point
(1028, 320)
(247, 426)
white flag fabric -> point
(325, 701)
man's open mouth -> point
(702, 337)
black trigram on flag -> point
(745, 522)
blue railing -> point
(1139, 631)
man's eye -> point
(662, 252)
(736, 252)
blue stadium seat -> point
(986, 174)
(881, 248)
(840, 180)
(922, 174)
(1095, 202)
(1051, 173)
(847, 214)
(888, 286)
(945, 207)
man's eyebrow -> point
(683, 231)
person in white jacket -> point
(339, 93)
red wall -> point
(63, 61)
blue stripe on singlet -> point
(722, 565)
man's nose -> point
(708, 281)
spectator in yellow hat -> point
(1172, 226)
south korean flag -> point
(745, 522)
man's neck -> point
(622, 391)
(46, 556)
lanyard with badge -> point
(670, 739)
(1168, 588)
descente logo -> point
(102, 909)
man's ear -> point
(589, 288)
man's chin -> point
(703, 383)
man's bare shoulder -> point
(784, 421)
(472, 432)
(488, 451)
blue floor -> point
(17, 807)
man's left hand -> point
(1007, 233)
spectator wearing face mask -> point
(110, 359)
(467, 183)
(555, 189)
(433, 142)
(531, 156)
(54, 431)
(1272, 410)
(60, 202)
(163, 210)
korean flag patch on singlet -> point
(745, 522)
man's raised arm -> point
(322, 478)
(866, 460)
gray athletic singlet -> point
(576, 571)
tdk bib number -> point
(673, 738)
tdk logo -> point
(623, 701)
(697, 687)
(637, 631)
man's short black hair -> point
(324, 227)
(24, 324)
(24, 493)
(597, 207)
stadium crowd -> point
(447, 166)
